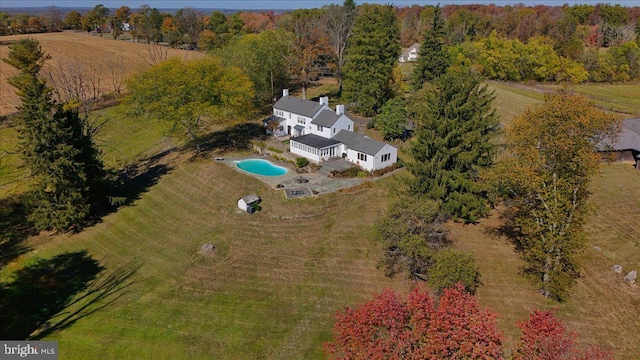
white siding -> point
(392, 154)
(292, 119)
(343, 123)
(304, 151)
(313, 154)
(325, 132)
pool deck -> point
(317, 184)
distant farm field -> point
(99, 58)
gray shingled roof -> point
(628, 139)
(326, 118)
(315, 141)
(359, 142)
(406, 52)
(298, 106)
(251, 198)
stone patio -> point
(317, 183)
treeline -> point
(516, 43)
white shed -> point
(245, 203)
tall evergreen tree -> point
(455, 126)
(433, 58)
(371, 56)
(56, 147)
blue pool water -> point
(261, 167)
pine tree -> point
(433, 58)
(55, 145)
(371, 56)
(455, 126)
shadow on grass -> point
(14, 230)
(236, 137)
(134, 180)
(51, 294)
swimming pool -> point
(260, 167)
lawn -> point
(622, 98)
(11, 174)
(269, 291)
(511, 102)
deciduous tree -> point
(372, 54)
(73, 20)
(545, 175)
(339, 20)
(411, 233)
(455, 125)
(544, 337)
(263, 58)
(307, 44)
(452, 267)
(390, 327)
(192, 94)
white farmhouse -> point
(410, 54)
(319, 134)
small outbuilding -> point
(248, 203)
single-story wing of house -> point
(627, 146)
(356, 148)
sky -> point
(278, 4)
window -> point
(300, 120)
(349, 127)
(319, 128)
(386, 157)
(334, 130)
(362, 156)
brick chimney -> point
(285, 92)
(324, 100)
(339, 109)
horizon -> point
(280, 4)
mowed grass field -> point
(269, 290)
(97, 57)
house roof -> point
(298, 106)
(415, 46)
(359, 142)
(628, 138)
(315, 141)
(277, 119)
(326, 118)
(251, 198)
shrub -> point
(451, 267)
(348, 173)
(302, 162)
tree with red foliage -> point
(544, 337)
(389, 327)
